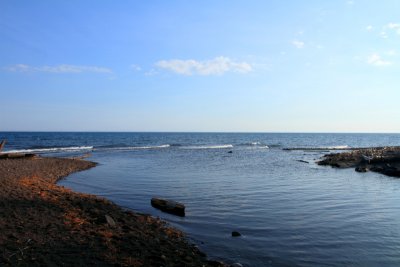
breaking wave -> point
(130, 147)
(208, 147)
(52, 149)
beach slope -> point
(43, 224)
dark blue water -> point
(290, 213)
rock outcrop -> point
(385, 160)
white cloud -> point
(350, 2)
(298, 44)
(391, 53)
(393, 25)
(383, 34)
(136, 67)
(58, 69)
(376, 60)
(151, 72)
(369, 28)
(216, 66)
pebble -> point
(110, 221)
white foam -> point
(148, 147)
(50, 150)
(134, 147)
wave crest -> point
(51, 150)
(208, 147)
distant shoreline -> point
(45, 224)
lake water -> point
(289, 213)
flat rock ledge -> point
(385, 160)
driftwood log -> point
(168, 206)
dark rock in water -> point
(387, 169)
(236, 264)
(303, 161)
(230, 151)
(168, 206)
(385, 160)
(235, 234)
(361, 169)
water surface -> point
(290, 213)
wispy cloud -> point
(383, 34)
(58, 69)
(369, 28)
(216, 66)
(298, 44)
(388, 30)
(394, 26)
(376, 60)
(136, 67)
(391, 52)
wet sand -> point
(43, 224)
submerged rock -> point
(361, 169)
(302, 161)
(235, 234)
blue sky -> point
(247, 66)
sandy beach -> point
(43, 224)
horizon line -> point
(215, 132)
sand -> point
(43, 224)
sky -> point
(212, 66)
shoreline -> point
(44, 224)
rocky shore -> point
(385, 160)
(43, 224)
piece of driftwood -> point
(2, 144)
(168, 206)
